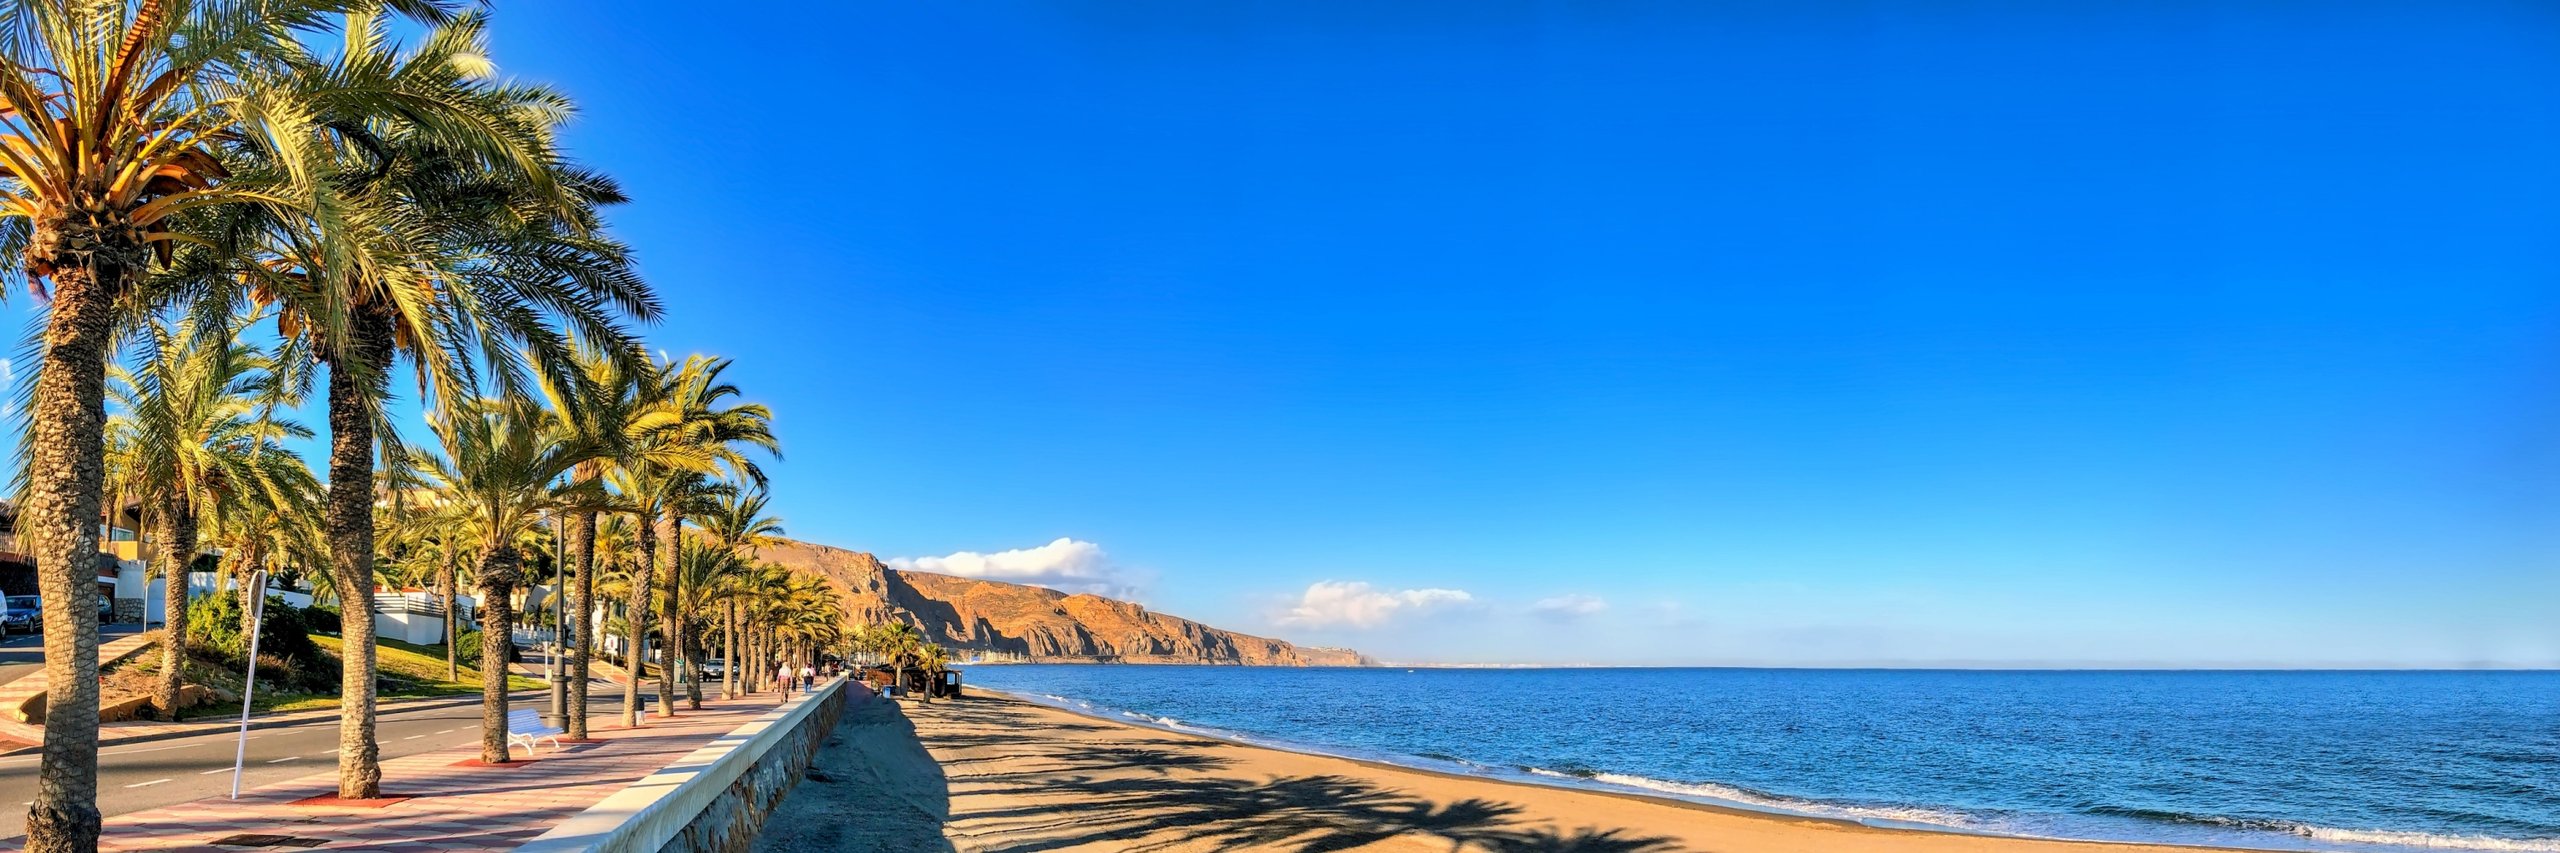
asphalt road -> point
(159, 773)
(24, 653)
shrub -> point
(286, 654)
(466, 648)
(319, 619)
(213, 628)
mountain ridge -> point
(1041, 624)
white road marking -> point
(413, 737)
(447, 732)
(214, 771)
(284, 759)
(146, 784)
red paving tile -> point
(456, 808)
(334, 801)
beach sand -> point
(999, 774)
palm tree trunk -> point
(637, 620)
(500, 568)
(178, 551)
(671, 623)
(582, 530)
(688, 645)
(66, 464)
(354, 378)
(729, 650)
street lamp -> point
(559, 716)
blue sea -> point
(2356, 761)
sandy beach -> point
(999, 774)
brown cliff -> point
(1043, 624)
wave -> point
(1737, 795)
(2426, 839)
(2334, 835)
(1167, 722)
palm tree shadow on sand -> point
(1070, 795)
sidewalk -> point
(16, 692)
(17, 737)
(452, 804)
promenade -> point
(441, 799)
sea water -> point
(2358, 761)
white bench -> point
(527, 726)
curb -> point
(295, 718)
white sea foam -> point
(1747, 797)
(1167, 722)
(2427, 840)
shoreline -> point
(1566, 784)
(1535, 815)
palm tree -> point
(428, 533)
(691, 497)
(644, 490)
(616, 549)
(899, 644)
(686, 427)
(739, 525)
(932, 658)
(703, 575)
(499, 467)
(199, 426)
(706, 417)
(457, 237)
(113, 121)
(616, 412)
(758, 592)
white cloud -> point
(1068, 565)
(1356, 604)
(1569, 606)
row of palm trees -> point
(900, 647)
(180, 179)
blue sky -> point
(1766, 333)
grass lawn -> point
(420, 669)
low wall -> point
(30, 708)
(713, 800)
(425, 629)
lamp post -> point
(559, 716)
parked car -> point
(713, 667)
(24, 615)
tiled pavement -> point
(32, 683)
(453, 807)
(18, 735)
